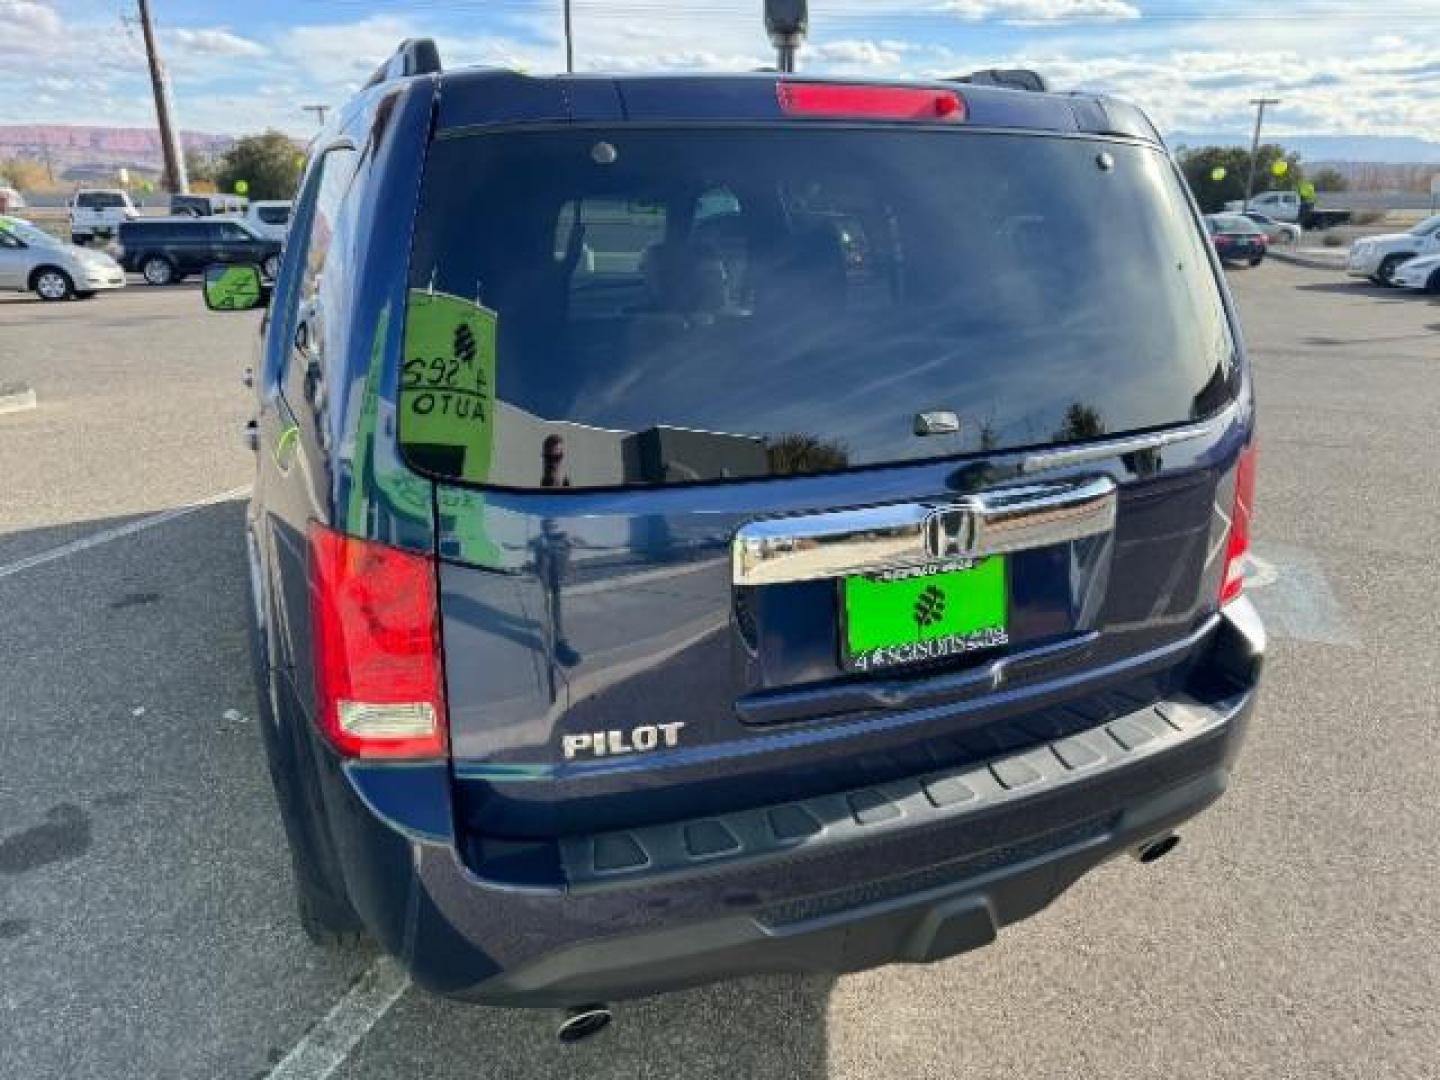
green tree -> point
(24, 174)
(200, 166)
(803, 453)
(1330, 179)
(268, 163)
(1081, 422)
(1200, 167)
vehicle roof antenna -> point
(787, 21)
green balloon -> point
(1218, 173)
(1280, 168)
(242, 187)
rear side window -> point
(667, 307)
(146, 232)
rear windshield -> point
(100, 200)
(614, 307)
(1234, 223)
(273, 215)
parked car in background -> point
(269, 218)
(1288, 206)
(1237, 238)
(31, 260)
(96, 214)
(191, 205)
(10, 199)
(1378, 257)
(166, 250)
(1280, 205)
(1277, 232)
(1422, 273)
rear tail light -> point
(1242, 516)
(378, 677)
(842, 100)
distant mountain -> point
(1379, 149)
(91, 149)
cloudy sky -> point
(1355, 67)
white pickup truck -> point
(96, 214)
(1289, 206)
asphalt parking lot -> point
(146, 927)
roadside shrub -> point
(1367, 217)
(1333, 240)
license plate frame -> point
(896, 619)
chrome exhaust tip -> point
(582, 1022)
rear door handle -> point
(818, 546)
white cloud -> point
(215, 42)
(699, 60)
(859, 53)
(340, 53)
(29, 17)
(1041, 11)
(1335, 77)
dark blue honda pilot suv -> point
(717, 525)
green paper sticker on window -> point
(447, 387)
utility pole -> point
(318, 110)
(569, 42)
(1260, 104)
(175, 178)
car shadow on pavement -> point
(147, 919)
(1357, 288)
(757, 1029)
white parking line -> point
(104, 536)
(326, 1046)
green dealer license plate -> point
(921, 614)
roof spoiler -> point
(1010, 78)
(415, 56)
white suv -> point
(1378, 257)
(97, 213)
(269, 218)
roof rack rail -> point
(1011, 78)
(415, 56)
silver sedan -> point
(31, 260)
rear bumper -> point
(912, 872)
(1236, 253)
